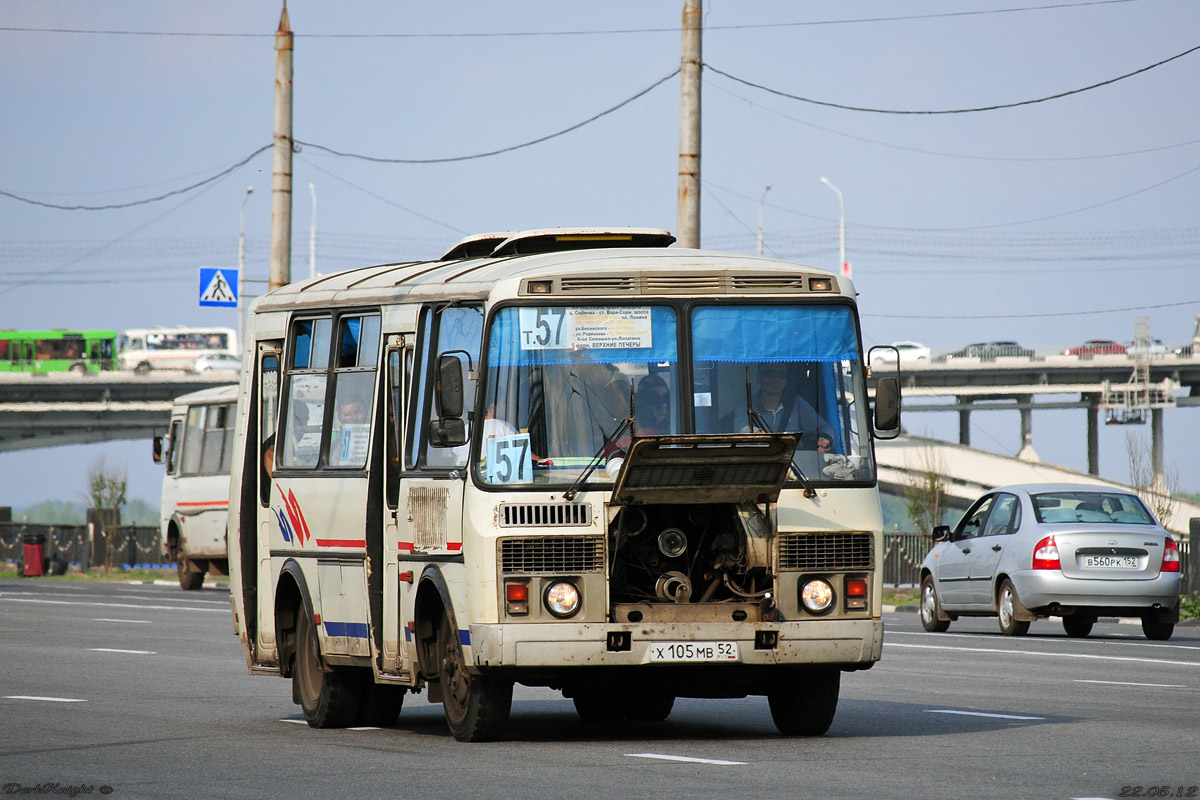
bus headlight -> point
(562, 599)
(817, 595)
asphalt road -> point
(142, 691)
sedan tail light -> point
(1170, 562)
(1045, 555)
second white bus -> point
(197, 452)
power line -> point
(995, 107)
(563, 33)
(143, 201)
(539, 140)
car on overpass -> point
(1096, 347)
(908, 352)
(1075, 551)
(991, 350)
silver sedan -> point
(1075, 551)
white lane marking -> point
(687, 759)
(222, 607)
(43, 699)
(977, 714)
(975, 636)
(115, 650)
(294, 721)
(113, 619)
(1131, 683)
(1044, 653)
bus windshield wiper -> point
(581, 481)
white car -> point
(909, 352)
(218, 361)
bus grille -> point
(827, 551)
(569, 554)
(554, 515)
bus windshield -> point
(561, 380)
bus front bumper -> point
(846, 643)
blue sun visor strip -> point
(745, 334)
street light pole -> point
(242, 259)
(845, 266)
(761, 203)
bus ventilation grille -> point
(826, 551)
(558, 554)
(540, 515)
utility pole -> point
(688, 224)
(281, 180)
(761, 203)
(242, 264)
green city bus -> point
(59, 350)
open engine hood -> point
(715, 468)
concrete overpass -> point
(969, 473)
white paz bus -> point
(146, 349)
(569, 459)
(197, 452)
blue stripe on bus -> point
(464, 637)
(355, 630)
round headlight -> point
(562, 598)
(817, 596)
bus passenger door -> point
(398, 579)
(269, 357)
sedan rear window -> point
(1092, 507)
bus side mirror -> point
(887, 407)
(449, 429)
(160, 449)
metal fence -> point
(85, 545)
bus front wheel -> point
(803, 703)
(329, 698)
(476, 707)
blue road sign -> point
(219, 287)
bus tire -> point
(381, 703)
(189, 579)
(599, 706)
(476, 707)
(649, 706)
(803, 702)
(329, 698)
(79, 368)
(142, 369)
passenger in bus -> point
(780, 408)
(268, 458)
(653, 403)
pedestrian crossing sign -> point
(219, 287)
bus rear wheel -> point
(329, 698)
(476, 707)
(189, 579)
(803, 702)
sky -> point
(1045, 189)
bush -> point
(1189, 606)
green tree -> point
(925, 498)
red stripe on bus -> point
(454, 545)
(206, 503)
(341, 542)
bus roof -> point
(600, 270)
(226, 393)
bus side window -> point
(174, 445)
(353, 390)
(193, 441)
(399, 375)
(268, 405)
(459, 330)
(304, 413)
